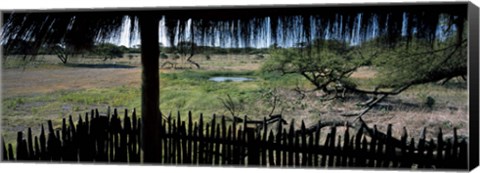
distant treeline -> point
(220, 50)
(21, 47)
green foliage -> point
(328, 64)
(135, 49)
(19, 47)
(429, 102)
(13, 103)
(417, 62)
(425, 97)
(163, 55)
(186, 47)
(190, 90)
(117, 97)
(108, 50)
(322, 63)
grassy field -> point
(47, 90)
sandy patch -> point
(17, 82)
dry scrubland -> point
(43, 90)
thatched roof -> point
(244, 26)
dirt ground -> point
(19, 82)
(32, 81)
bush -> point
(163, 56)
(429, 102)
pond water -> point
(233, 79)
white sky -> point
(125, 36)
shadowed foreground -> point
(103, 138)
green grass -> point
(183, 91)
(19, 113)
(16, 62)
(190, 90)
(116, 97)
(52, 61)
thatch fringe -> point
(244, 26)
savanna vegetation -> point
(286, 81)
(398, 65)
(414, 85)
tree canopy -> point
(329, 62)
(421, 62)
(109, 51)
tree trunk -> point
(151, 118)
(189, 59)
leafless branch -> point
(274, 104)
(229, 104)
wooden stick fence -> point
(97, 138)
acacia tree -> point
(17, 47)
(62, 51)
(328, 67)
(421, 63)
(240, 27)
(187, 49)
(325, 64)
(108, 51)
